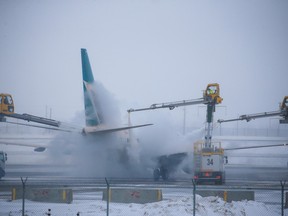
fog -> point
(107, 106)
(121, 154)
(143, 52)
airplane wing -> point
(27, 141)
(37, 147)
(99, 130)
(44, 127)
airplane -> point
(98, 123)
(101, 126)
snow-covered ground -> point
(87, 205)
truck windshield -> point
(211, 90)
(8, 99)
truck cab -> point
(284, 110)
(212, 93)
(6, 104)
(284, 104)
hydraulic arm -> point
(7, 109)
(211, 94)
(171, 105)
(282, 112)
(31, 118)
(211, 97)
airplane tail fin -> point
(92, 117)
(100, 108)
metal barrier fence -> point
(153, 199)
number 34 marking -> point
(209, 162)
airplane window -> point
(1, 157)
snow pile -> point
(216, 206)
(205, 206)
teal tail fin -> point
(92, 117)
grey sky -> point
(144, 52)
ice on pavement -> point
(205, 206)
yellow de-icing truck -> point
(6, 104)
(207, 153)
(6, 107)
(209, 163)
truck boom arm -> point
(171, 105)
(282, 112)
(253, 116)
(33, 118)
(211, 95)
